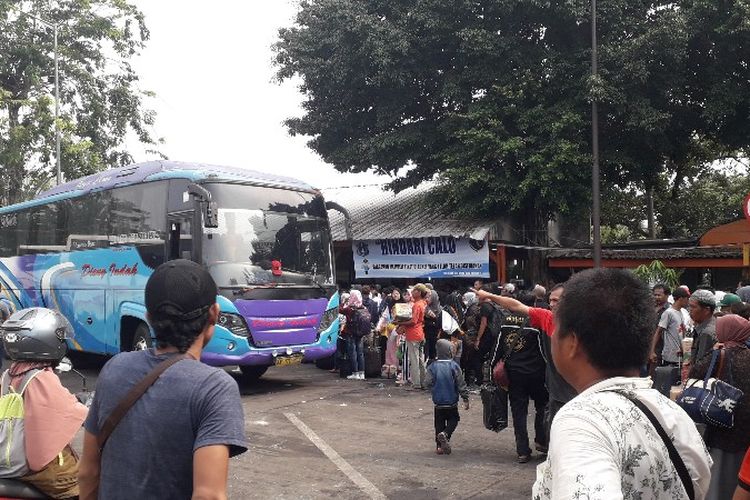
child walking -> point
(447, 382)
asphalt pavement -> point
(314, 435)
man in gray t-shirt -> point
(176, 440)
(671, 329)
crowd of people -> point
(582, 352)
(600, 349)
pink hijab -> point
(53, 415)
(732, 330)
(355, 298)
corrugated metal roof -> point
(377, 213)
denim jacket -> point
(447, 382)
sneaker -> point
(439, 450)
(445, 443)
(361, 376)
(353, 376)
(540, 448)
(522, 459)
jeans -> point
(522, 388)
(446, 420)
(357, 354)
(416, 362)
(473, 363)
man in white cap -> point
(702, 305)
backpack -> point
(361, 324)
(12, 449)
(497, 320)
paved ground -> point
(374, 440)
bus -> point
(87, 247)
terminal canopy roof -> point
(377, 213)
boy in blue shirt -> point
(445, 379)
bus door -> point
(181, 235)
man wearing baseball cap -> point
(702, 305)
(176, 439)
(726, 302)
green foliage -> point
(492, 97)
(656, 272)
(712, 198)
(100, 102)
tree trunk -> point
(13, 171)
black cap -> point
(181, 289)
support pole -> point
(596, 207)
(57, 112)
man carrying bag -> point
(163, 424)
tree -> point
(656, 273)
(100, 102)
(713, 197)
(493, 96)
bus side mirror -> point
(210, 208)
(211, 214)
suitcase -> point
(372, 362)
(664, 376)
(494, 407)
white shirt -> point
(603, 447)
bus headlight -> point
(234, 323)
(327, 320)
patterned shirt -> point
(603, 447)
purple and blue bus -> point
(87, 248)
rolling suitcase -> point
(664, 376)
(372, 362)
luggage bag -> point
(372, 362)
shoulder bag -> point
(674, 455)
(499, 372)
(134, 395)
(711, 400)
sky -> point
(211, 67)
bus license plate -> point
(288, 360)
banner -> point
(429, 257)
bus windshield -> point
(267, 236)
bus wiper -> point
(250, 287)
(321, 287)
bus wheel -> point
(325, 363)
(141, 338)
(252, 373)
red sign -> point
(746, 207)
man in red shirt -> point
(560, 392)
(414, 332)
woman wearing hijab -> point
(356, 338)
(728, 446)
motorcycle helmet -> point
(36, 334)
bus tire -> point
(251, 373)
(325, 363)
(141, 338)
